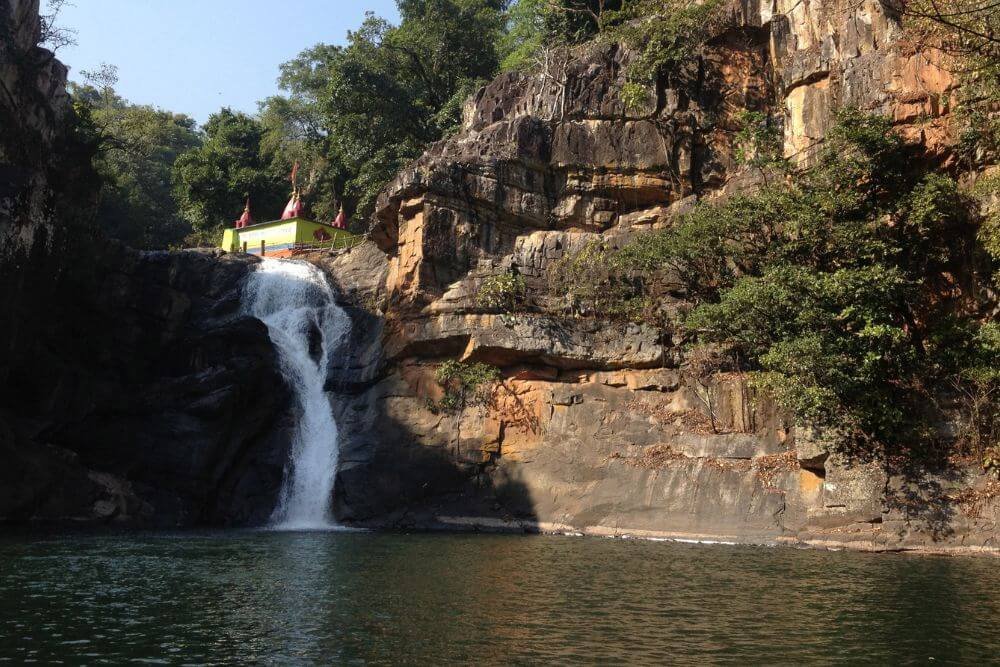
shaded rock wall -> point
(130, 387)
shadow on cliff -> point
(389, 477)
(160, 406)
(917, 493)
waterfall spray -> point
(296, 303)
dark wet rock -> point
(132, 390)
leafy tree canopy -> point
(138, 146)
(357, 114)
(213, 181)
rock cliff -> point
(598, 426)
(131, 389)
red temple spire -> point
(245, 219)
(341, 221)
(293, 209)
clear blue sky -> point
(195, 56)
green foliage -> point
(591, 282)
(353, 116)
(503, 292)
(213, 181)
(534, 26)
(967, 355)
(818, 286)
(989, 235)
(825, 221)
(828, 344)
(987, 191)
(294, 130)
(931, 215)
(465, 385)
(825, 301)
(664, 32)
(137, 148)
(634, 95)
(759, 142)
(394, 89)
(528, 32)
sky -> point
(196, 56)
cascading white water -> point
(306, 326)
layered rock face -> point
(598, 426)
(131, 388)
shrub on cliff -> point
(503, 292)
(967, 354)
(830, 288)
(593, 281)
(465, 385)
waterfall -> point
(296, 303)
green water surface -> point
(365, 598)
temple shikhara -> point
(289, 235)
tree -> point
(138, 146)
(356, 115)
(535, 26)
(295, 130)
(213, 181)
(53, 36)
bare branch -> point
(53, 36)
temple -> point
(289, 235)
